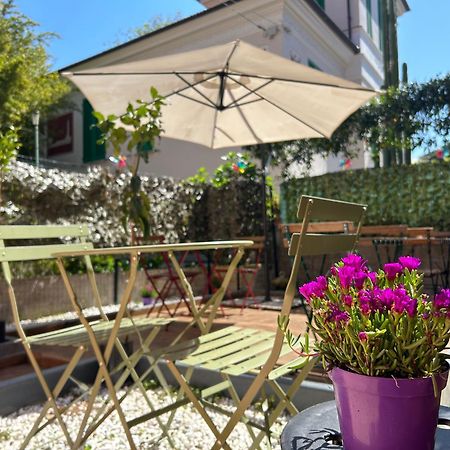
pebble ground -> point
(188, 430)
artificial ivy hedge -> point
(416, 195)
(180, 211)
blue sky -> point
(87, 27)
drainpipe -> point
(349, 20)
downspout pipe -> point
(349, 20)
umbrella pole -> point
(265, 153)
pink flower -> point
(338, 316)
(409, 262)
(403, 302)
(346, 274)
(373, 277)
(347, 300)
(360, 277)
(362, 335)
(315, 288)
(386, 298)
(392, 270)
(354, 261)
(442, 299)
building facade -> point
(340, 37)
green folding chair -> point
(236, 351)
(38, 237)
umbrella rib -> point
(250, 92)
(292, 115)
(245, 120)
(236, 105)
(209, 105)
(313, 83)
(289, 114)
(235, 46)
(193, 86)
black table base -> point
(318, 428)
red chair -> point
(247, 271)
(166, 281)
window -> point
(91, 150)
(321, 3)
(369, 17)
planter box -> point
(25, 390)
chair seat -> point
(76, 335)
(232, 351)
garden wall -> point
(180, 211)
(416, 195)
(49, 295)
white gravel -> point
(188, 430)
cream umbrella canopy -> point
(227, 95)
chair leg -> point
(197, 404)
(235, 397)
(285, 398)
(128, 365)
(56, 391)
(50, 396)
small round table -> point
(318, 428)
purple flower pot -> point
(148, 300)
(385, 413)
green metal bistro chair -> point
(235, 351)
(12, 250)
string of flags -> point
(345, 164)
(120, 161)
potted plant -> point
(148, 295)
(380, 339)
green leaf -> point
(154, 92)
(98, 115)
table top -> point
(318, 428)
(157, 248)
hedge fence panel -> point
(180, 211)
(416, 195)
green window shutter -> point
(313, 65)
(91, 150)
(321, 3)
(381, 25)
(369, 17)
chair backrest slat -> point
(9, 232)
(35, 252)
(322, 244)
(330, 210)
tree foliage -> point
(410, 116)
(155, 23)
(138, 128)
(25, 78)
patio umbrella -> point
(227, 95)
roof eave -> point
(313, 5)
